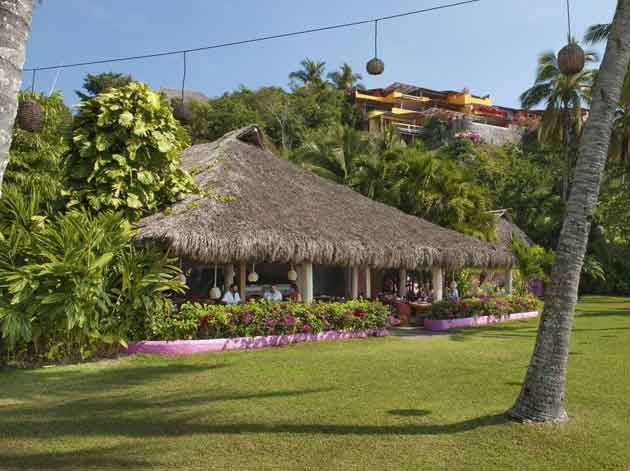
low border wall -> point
(188, 347)
(438, 325)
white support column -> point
(228, 276)
(355, 283)
(307, 295)
(509, 284)
(438, 283)
(402, 283)
(368, 283)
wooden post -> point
(510, 282)
(438, 283)
(307, 296)
(402, 283)
(355, 283)
(228, 278)
(368, 283)
(243, 282)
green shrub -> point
(74, 283)
(483, 307)
(125, 152)
(196, 320)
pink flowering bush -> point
(205, 321)
(483, 306)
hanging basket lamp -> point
(571, 58)
(253, 276)
(375, 66)
(30, 115)
(215, 292)
(292, 275)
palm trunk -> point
(16, 24)
(542, 395)
(623, 159)
(566, 142)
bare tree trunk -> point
(542, 395)
(15, 25)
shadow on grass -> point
(499, 331)
(85, 459)
(184, 427)
(61, 381)
(409, 412)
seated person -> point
(453, 292)
(294, 293)
(273, 294)
(231, 296)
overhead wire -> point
(251, 40)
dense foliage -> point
(125, 153)
(194, 321)
(36, 159)
(73, 282)
(484, 306)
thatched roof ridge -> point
(259, 207)
(507, 230)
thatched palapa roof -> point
(507, 230)
(258, 207)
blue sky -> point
(490, 47)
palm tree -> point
(16, 24)
(621, 131)
(334, 155)
(563, 97)
(345, 79)
(311, 73)
(542, 396)
(597, 33)
(620, 142)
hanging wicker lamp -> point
(571, 59)
(375, 66)
(292, 275)
(253, 276)
(30, 115)
(181, 112)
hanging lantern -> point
(181, 112)
(30, 115)
(253, 276)
(292, 275)
(375, 66)
(215, 292)
(571, 58)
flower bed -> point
(439, 325)
(261, 318)
(187, 347)
(480, 311)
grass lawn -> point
(394, 403)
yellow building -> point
(407, 107)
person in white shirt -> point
(273, 294)
(231, 296)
